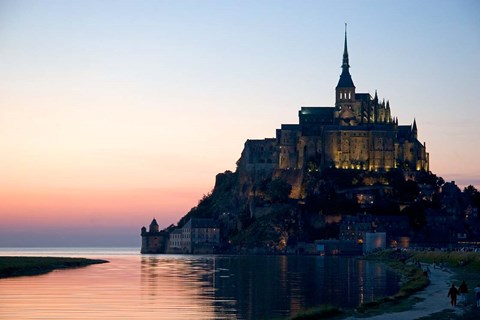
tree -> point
(473, 195)
(416, 216)
(278, 191)
(409, 190)
(470, 190)
(440, 182)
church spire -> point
(345, 64)
(345, 78)
(414, 129)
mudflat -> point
(29, 266)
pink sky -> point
(112, 113)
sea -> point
(136, 286)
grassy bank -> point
(466, 261)
(412, 279)
(320, 312)
(28, 266)
(464, 266)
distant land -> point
(30, 266)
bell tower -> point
(345, 91)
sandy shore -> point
(433, 299)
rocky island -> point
(343, 176)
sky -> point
(115, 112)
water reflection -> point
(195, 287)
(249, 287)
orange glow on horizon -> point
(95, 208)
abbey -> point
(359, 132)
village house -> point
(196, 236)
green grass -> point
(412, 277)
(28, 266)
(469, 260)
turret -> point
(375, 107)
(153, 226)
(389, 114)
(144, 248)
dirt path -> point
(434, 299)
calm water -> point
(134, 286)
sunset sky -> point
(115, 112)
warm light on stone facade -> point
(357, 133)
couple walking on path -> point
(462, 291)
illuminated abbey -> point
(359, 132)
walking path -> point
(433, 299)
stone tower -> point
(153, 240)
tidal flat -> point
(29, 266)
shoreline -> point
(415, 300)
(18, 266)
(431, 300)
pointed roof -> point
(154, 222)
(345, 78)
(414, 127)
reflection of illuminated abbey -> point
(358, 133)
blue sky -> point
(112, 112)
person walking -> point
(452, 293)
(477, 295)
(463, 290)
